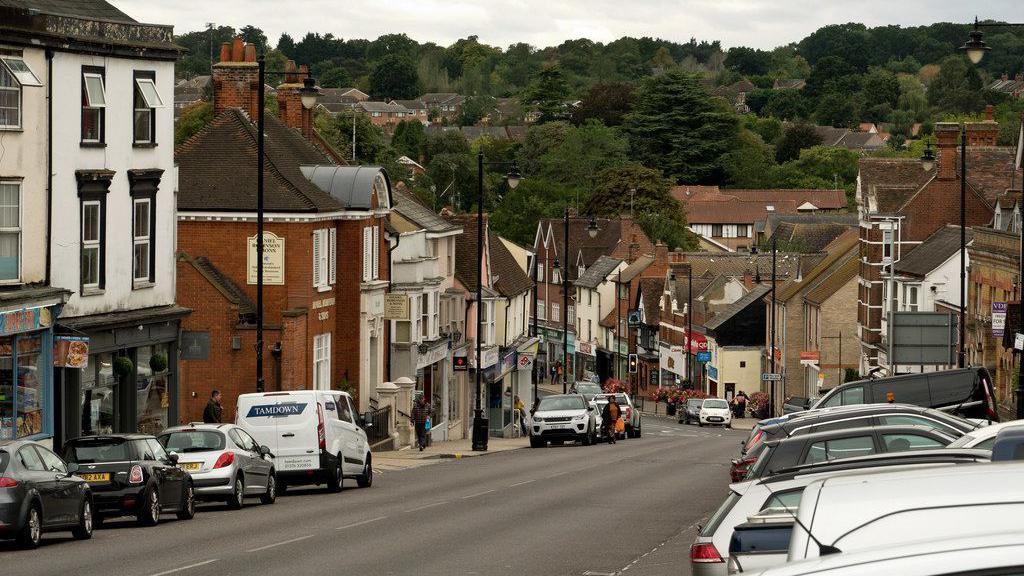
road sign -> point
(703, 356)
(768, 377)
(923, 337)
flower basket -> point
(613, 386)
(758, 404)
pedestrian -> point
(559, 373)
(420, 417)
(518, 405)
(741, 404)
(554, 372)
(214, 411)
(610, 417)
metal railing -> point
(379, 435)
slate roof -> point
(86, 9)
(734, 211)
(736, 264)
(509, 278)
(224, 284)
(408, 206)
(651, 290)
(823, 199)
(827, 217)
(383, 107)
(891, 180)
(636, 268)
(338, 95)
(217, 168)
(839, 248)
(597, 272)
(990, 169)
(835, 280)
(335, 108)
(930, 254)
(808, 237)
(726, 313)
(411, 104)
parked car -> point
(761, 542)
(690, 411)
(783, 492)
(40, 493)
(714, 412)
(564, 417)
(1009, 445)
(847, 514)
(316, 436)
(779, 455)
(797, 404)
(630, 415)
(966, 392)
(587, 389)
(985, 437)
(979, 552)
(225, 462)
(132, 475)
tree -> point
(794, 139)
(662, 59)
(444, 142)
(832, 74)
(388, 44)
(957, 87)
(476, 108)
(608, 102)
(583, 152)
(838, 110)
(192, 120)
(335, 78)
(409, 138)
(253, 35)
(748, 61)
(749, 161)
(516, 216)
(337, 130)
(286, 44)
(676, 126)
(880, 86)
(540, 139)
(394, 76)
(785, 105)
(548, 94)
(644, 193)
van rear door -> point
(289, 421)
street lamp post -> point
(689, 323)
(565, 310)
(513, 177)
(308, 94)
(771, 384)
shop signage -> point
(16, 321)
(525, 362)
(489, 357)
(671, 358)
(703, 356)
(1018, 342)
(713, 373)
(433, 355)
(587, 348)
(810, 357)
(998, 319)
(697, 343)
(767, 377)
(70, 352)
(634, 318)
(195, 345)
(396, 306)
(508, 362)
(460, 363)
(273, 259)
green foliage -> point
(838, 110)
(748, 61)
(957, 87)
(669, 228)
(192, 120)
(769, 129)
(785, 105)
(337, 131)
(608, 102)
(444, 142)
(517, 214)
(334, 78)
(749, 160)
(409, 138)
(394, 76)
(583, 152)
(548, 93)
(632, 188)
(794, 139)
(880, 86)
(677, 127)
(540, 139)
(475, 109)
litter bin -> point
(480, 433)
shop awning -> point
(125, 318)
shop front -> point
(499, 382)
(432, 380)
(587, 362)
(26, 361)
(129, 382)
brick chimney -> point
(289, 99)
(748, 279)
(983, 133)
(236, 78)
(947, 134)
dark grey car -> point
(691, 412)
(39, 493)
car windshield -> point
(717, 404)
(561, 403)
(588, 388)
(620, 399)
(193, 441)
(90, 450)
(694, 403)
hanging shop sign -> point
(70, 352)
(273, 260)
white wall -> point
(120, 156)
(23, 154)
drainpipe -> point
(49, 160)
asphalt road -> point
(629, 508)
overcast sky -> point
(758, 23)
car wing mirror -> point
(172, 457)
(73, 468)
(265, 451)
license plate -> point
(104, 477)
(714, 418)
(296, 463)
(191, 466)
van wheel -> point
(188, 503)
(32, 532)
(335, 479)
(365, 480)
(237, 498)
(270, 496)
(149, 514)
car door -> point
(362, 443)
(348, 432)
(146, 457)
(174, 475)
(44, 483)
(261, 464)
(249, 458)
(66, 491)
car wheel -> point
(83, 530)
(32, 532)
(149, 514)
(188, 503)
(335, 482)
(237, 498)
(639, 431)
(270, 496)
(584, 439)
(536, 442)
(365, 480)
(700, 424)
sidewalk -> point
(438, 451)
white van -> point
(315, 436)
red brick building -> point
(325, 264)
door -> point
(251, 462)
(43, 481)
(352, 452)
(174, 476)
(146, 458)
(292, 421)
(66, 490)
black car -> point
(40, 493)
(966, 392)
(691, 411)
(132, 475)
(818, 447)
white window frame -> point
(540, 310)
(322, 361)
(144, 240)
(25, 76)
(572, 313)
(150, 83)
(376, 253)
(435, 315)
(489, 322)
(94, 102)
(14, 88)
(424, 317)
(367, 254)
(96, 244)
(324, 258)
(556, 312)
(14, 230)
(911, 304)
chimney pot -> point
(225, 52)
(250, 52)
(237, 50)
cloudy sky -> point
(759, 23)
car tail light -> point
(135, 476)
(629, 413)
(989, 404)
(8, 483)
(224, 460)
(320, 431)
(753, 441)
(705, 553)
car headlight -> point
(538, 419)
(580, 417)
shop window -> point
(21, 386)
(152, 374)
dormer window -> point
(14, 74)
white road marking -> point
(477, 494)
(561, 474)
(521, 483)
(183, 568)
(280, 543)
(364, 522)
(427, 506)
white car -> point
(715, 412)
(630, 415)
(316, 436)
(564, 417)
(983, 438)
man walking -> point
(420, 416)
(214, 411)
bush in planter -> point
(758, 404)
(123, 366)
(158, 363)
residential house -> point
(830, 334)
(416, 110)
(849, 139)
(735, 94)
(444, 105)
(647, 337)
(1013, 87)
(324, 326)
(382, 114)
(900, 205)
(595, 298)
(191, 91)
(423, 269)
(734, 346)
(764, 229)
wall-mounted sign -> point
(810, 357)
(634, 318)
(396, 306)
(671, 359)
(70, 352)
(525, 362)
(273, 259)
(195, 345)
(703, 356)
(587, 348)
(490, 357)
(16, 321)
(998, 319)
(432, 355)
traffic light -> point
(460, 363)
(633, 363)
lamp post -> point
(689, 323)
(976, 48)
(513, 177)
(536, 332)
(771, 384)
(308, 94)
(565, 304)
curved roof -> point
(352, 186)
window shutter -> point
(332, 251)
(317, 249)
(367, 248)
(376, 252)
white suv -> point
(715, 411)
(564, 417)
(316, 436)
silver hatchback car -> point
(224, 461)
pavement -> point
(629, 508)
(452, 449)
